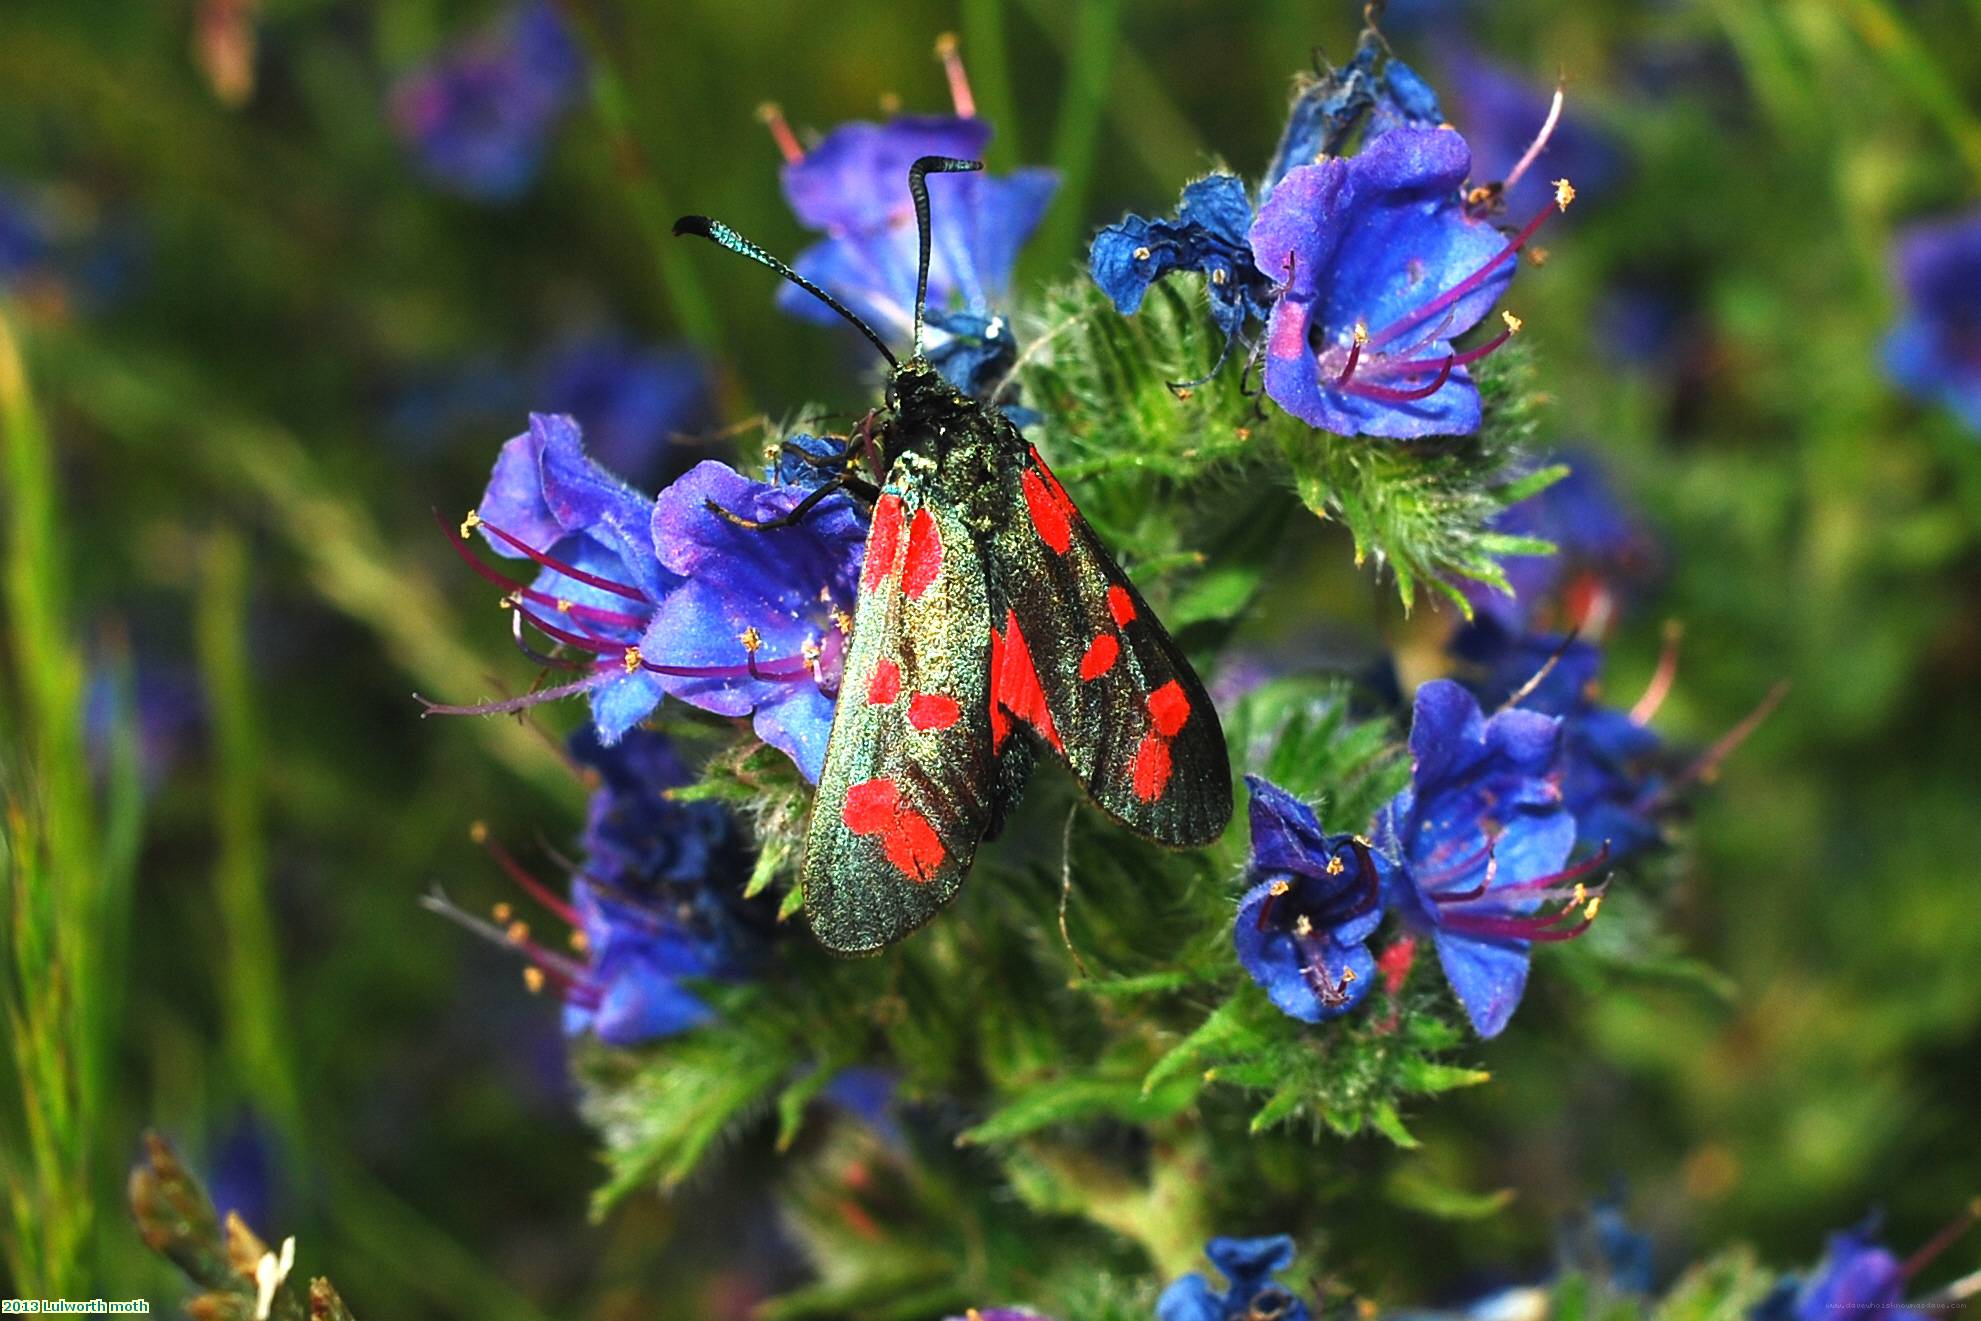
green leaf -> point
(1416, 1188)
(1230, 1029)
(1724, 1288)
(1422, 1075)
(1385, 1120)
(1071, 1100)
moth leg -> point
(805, 506)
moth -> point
(991, 626)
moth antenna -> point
(723, 236)
(918, 188)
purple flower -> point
(786, 592)
(1248, 1265)
(853, 187)
(1303, 928)
(1381, 267)
(599, 581)
(1208, 237)
(658, 897)
(1373, 87)
(1478, 841)
(1502, 114)
(1600, 547)
(631, 400)
(1856, 1275)
(1934, 353)
(477, 117)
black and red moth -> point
(991, 623)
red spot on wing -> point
(1169, 707)
(1000, 720)
(886, 685)
(874, 807)
(869, 806)
(1120, 604)
(927, 711)
(1151, 767)
(1049, 516)
(1102, 652)
(882, 542)
(1015, 683)
(924, 559)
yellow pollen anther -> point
(518, 932)
(631, 660)
(945, 45)
(1361, 332)
(811, 651)
(478, 832)
(579, 941)
(1280, 887)
(751, 639)
(1366, 1309)
(1595, 906)
(503, 913)
(842, 621)
(470, 523)
(1513, 323)
(1218, 276)
(1581, 893)
(1141, 254)
(1303, 926)
(1347, 976)
(1336, 867)
(1564, 193)
(1538, 255)
(533, 979)
(1363, 840)
(563, 607)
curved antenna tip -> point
(692, 225)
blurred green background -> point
(222, 446)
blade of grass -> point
(251, 983)
(1914, 69)
(53, 882)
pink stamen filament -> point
(536, 889)
(959, 81)
(1656, 691)
(1354, 357)
(1406, 367)
(1388, 395)
(517, 587)
(1542, 927)
(787, 142)
(1463, 287)
(1943, 1240)
(1709, 760)
(1449, 872)
(1313, 966)
(568, 570)
(552, 963)
(1540, 143)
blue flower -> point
(599, 581)
(1502, 114)
(631, 400)
(1611, 773)
(1303, 928)
(478, 116)
(1478, 841)
(1326, 111)
(26, 242)
(1381, 267)
(1600, 547)
(1248, 1265)
(1208, 236)
(853, 187)
(785, 592)
(1856, 1275)
(657, 898)
(1934, 353)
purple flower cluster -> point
(478, 116)
(1363, 268)
(646, 598)
(1472, 854)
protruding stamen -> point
(751, 639)
(1943, 1240)
(553, 963)
(948, 51)
(515, 704)
(1540, 676)
(1707, 765)
(1389, 395)
(1354, 352)
(468, 524)
(1514, 324)
(522, 591)
(1540, 143)
(568, 570)
(520, 874)
(1662, 677)
(771, 115)
(1478, 277)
